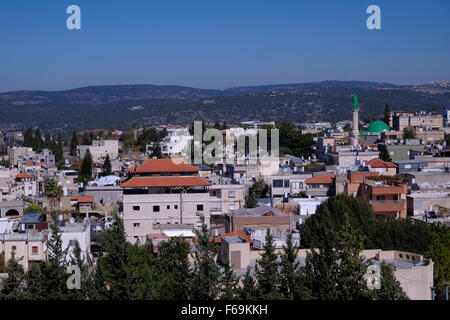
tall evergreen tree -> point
(229, 281)
(206, 274)
(248, 289)
(110, 277)
(59, 157)
(266, 272)
(86, 167)
(86, 285)
(384, 153)
(38, 143)
(289, 269)
(106, 169)
(173, 261)
(13, 285)
(390, 288)
(387, 114)
(28, 138)
(73, 145)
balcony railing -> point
(386, 202)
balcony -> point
(387, 205)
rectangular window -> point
(277, 183)
(136, 225)
(168, 207)
(136, 208)
(232, 207)
(34, 250)
(13, 248)
(199, 207)
(155, 208)
(286, 183)
(72, 243)
(176, 206)
(231, 194)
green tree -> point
(5, 163)
(106, 169)
(229, 281)
(73, 145)
(384, 153)
(86, 285)
(33, 208)
(390, 288)
(174, 269)
(252, 201)
(28, 138)
(289, 275)
(59, 156)
(13, 285)
(266, 272)
(110, 277)
(248, 289)
(86, 168)
(38, 143)
(206, 274)
(387, 114)
(408, 134)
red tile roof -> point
(378, 163)
(322, 179)
(238, 233)
(164, 165)
(137, 182)
(82, 199)
(30, 164)
(23, 176)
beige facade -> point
(15, 152)
(99, 149)
(28, 247)
(225, 198)
(402, 120)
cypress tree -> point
(28, 138)
(289, 269)
(173, 261)
(387, 114)
(390, 288)
(248, 289)
(229, 281)
(384, 153)
(206, 274)
(86, 167)
(266, 271)
(106, 169)
(38, 144)
(13, 286)
(86, 283)
(73, 145)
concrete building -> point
(321, 185)
(15, 152)
(382, 167)
(402, 120)
(162, 195)
(72, 232)
(99, 149)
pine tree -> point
(85, 282)
(86, 167)
(106, 169)
(173, 261)
(387, 114)
(384, 153)
(73, 145)
(28, 138)
(48, 142)
(110, 277)
(59, 157)
(206, 274)
(289, 269)
(266, 271)
(13, 286)
(229, 281)
(35, 288)
(38, 143)
(248, 289)
(390, 288)
(252, 201)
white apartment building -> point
(99, 149)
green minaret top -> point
(355, 102)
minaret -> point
(355, 131)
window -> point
(13, 248)
(168, 207)
(34, 250)
(400, 255)
(175, 206)
(231, 194)
(199, 207)
(72, 243)
(136, 225)
(286, 183)
(407, 256)
(136, 208)
(232, 207)
(155, 208)
(277, 183)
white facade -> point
(99, 149)
(76, 232)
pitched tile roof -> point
(23, 176)
(138, 182)
(82, 199)
(238, 233)
(378, 163)
(323, 179)
(164, 165)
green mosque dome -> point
(378, 127)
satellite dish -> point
(72, 221)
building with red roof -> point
(321, 185)
(382, 167)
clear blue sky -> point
(219, 44)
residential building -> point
(382, 167)
(321, 185)
(163, 195)
(99, 149)
(402, 120)
(15, 152)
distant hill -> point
(147, 105)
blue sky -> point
(219, 44)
